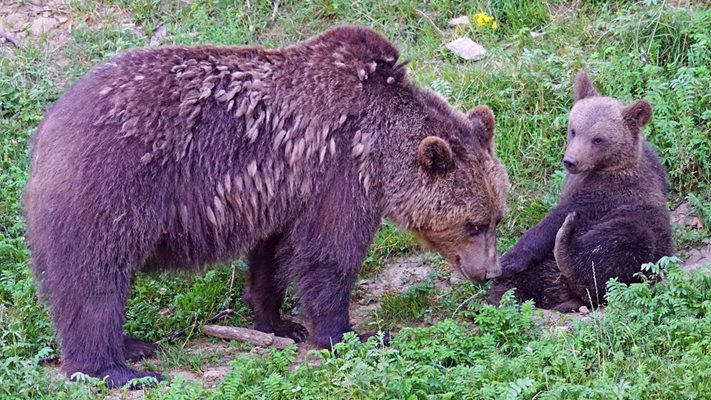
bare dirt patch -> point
(697, 258)
(21, 21)
(694, 259)
(48, 24)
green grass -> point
(652, 342)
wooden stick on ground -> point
(257, 338)
(181, 332)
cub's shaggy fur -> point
(184, 156)
(611, 217)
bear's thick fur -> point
(611, 217)
(179, 157)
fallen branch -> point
(257, 338)
(422, 13)
(181, 332)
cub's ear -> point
(638, 114)
(583, 88)
(483, 115)
(435, 155)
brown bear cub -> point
(179, 157)
(611, 217)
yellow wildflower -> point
(494, 25)
(483, 18)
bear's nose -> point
(570, 162)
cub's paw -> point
(291, 330)
(136, 349)
(566, 230)
(119, 376)
(569, 306)
(511, 264)
(365, 336)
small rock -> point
(584, 310)
(467, 49)
(6, 37)
(62, 19)
(463, 20)
(215, 375)
(43, 25)
(537, 34)
(158, 34)
(14, 22)
(166, 312)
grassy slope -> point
(650, 343)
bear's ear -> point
(583, 88)
(483, 114)
(638, 114)
(435, 155)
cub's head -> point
(461, 193)
(604, 134)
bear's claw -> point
(118, 376)
(136, 349)
(292, 330)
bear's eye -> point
(597, 140)
(474, 229)
(572, 133)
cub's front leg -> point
(535, 245)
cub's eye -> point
(474, 229)
(597, 140)
(572, 133)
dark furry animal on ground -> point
(611, 217)
(179, 157)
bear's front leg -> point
(327, 301)
(326, 246)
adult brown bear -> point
(184, 156)
(611, 217)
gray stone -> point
(467, 49)
(463, 20)
(14, 22)
(43, 25)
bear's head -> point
(604, 134)
(461, 196)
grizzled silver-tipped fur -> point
(178, 157)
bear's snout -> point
(571, 164)
(477, 260)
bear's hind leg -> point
(89, 319)
(613, 249)
(266, 293)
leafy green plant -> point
(651, 341)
